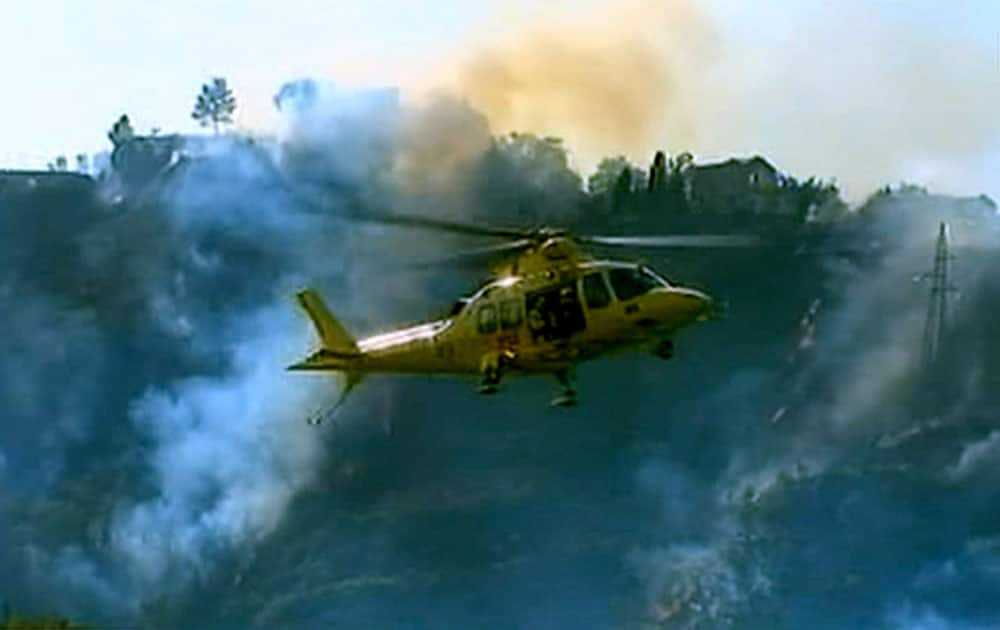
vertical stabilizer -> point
(332, 335)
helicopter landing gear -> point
(567, 391)
(351, 380)
(665, 349)
(491, 369)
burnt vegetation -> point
(168, 481)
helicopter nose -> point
(713, 310)
(708, 309)
(695, 304)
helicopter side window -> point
(555, 313)
(487, 319)
(510, 314)
(595, 290)
(630, 282)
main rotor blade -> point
(441, 225)
(675, 240)
(478, 255)
(365, 212)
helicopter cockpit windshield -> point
(663, 280)
(631, 282)
(458, 306)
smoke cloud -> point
(608, 81)
(174, 481)
(855, 91)
(229, 456)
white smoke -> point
(31, 367)
(977, 458)
(229, 454)
(228, 451)
(855, 383)
(691, 585)
(910, 616)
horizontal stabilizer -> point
(325, 360)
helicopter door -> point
(554, 313)
(604, 314)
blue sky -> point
(77, 66)
(875, 87)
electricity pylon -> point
(937, 305)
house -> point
(980, 207)
(16, 182)
(74, 193)
(734, 186)
(45, 209)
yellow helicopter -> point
(549, 306)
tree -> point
(121, 132)
(667, 180)
(680, 163)
(215, 104)
(523, 178)
(609, 170)
(814, 199)
(622, 191)
(677, 168)
(658, 172)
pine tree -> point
(215, 104)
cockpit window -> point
(510, 314)
(659, 277)
(631, 282)
(487, 319)
(595, 290)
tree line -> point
(616, 186)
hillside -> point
(156, 466)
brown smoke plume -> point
(609, 83)
(438, 138)
(850, 90)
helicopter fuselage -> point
(548, 308)
(532, 321)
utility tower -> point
(937, 305)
